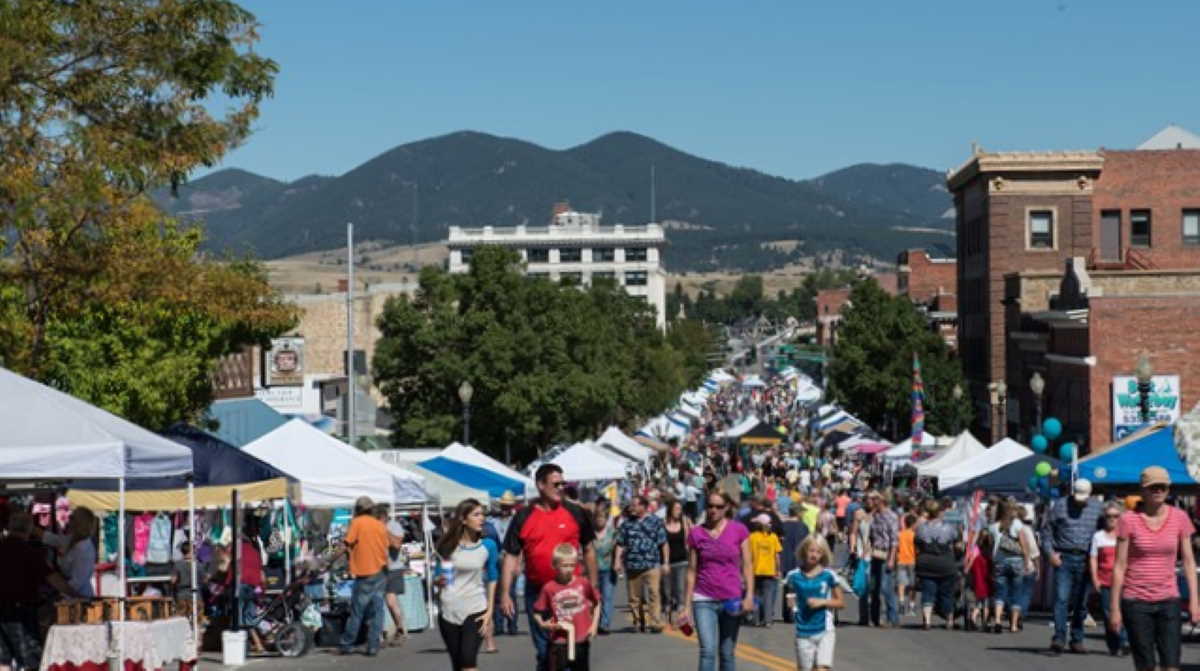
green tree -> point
(871, 369)
(548, 362)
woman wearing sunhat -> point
(1145, 592)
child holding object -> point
(569, 609)
(815, 594)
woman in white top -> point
(467, 574)
(1035, 558)
(77, 551)
(1011, 556)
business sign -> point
(1127, 402)
(283, 364)
(286, 400)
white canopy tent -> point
(586, 462)
(614, 439)
(964, 447)
(738, 430)
(720, 375)
(469, 455)
(412, 455)
(999, 455)
(904, 449)
(49, 435)
(333, 474)
(445, 491)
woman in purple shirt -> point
(720, 581)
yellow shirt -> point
(809, 516)
(764, 547)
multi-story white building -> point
(576, 248)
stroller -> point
(278, 618)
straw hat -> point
(507, 499)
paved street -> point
(858, 649)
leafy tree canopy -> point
(871, 367)
(548, 362)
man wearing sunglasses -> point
(1067, 539)
(534, 532)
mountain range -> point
(717, 216)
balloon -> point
(1052, 428)
(1039, 443)
(1067, 452)
(1033, 482)
(1042, 468)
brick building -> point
(930, 282)
(829, 313)
(1024, 214)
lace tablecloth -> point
(148, 645)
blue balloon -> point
(1052, 428)
(1039, 443)
(1067, 452)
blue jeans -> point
(1118, 640)
(608, 580)
(1028, 586)
(541, 642)
(1008, 574)
(766, 590)
(718, 632)
(883, 584)
(503, 623)
(939, 593)
(1070, 596)
(366, 600)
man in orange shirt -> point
(367, 542)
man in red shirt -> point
(534, 533)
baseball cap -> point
(363, 503)
(1155, 475)
(1083, 489)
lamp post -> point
(1002, 394)
(1145, 375)
(957, 393)
(1037, 385)
(465, 391)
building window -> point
(635, 278)
(1041, 229)
(1139, 228)
(466, 254)
(537, 255)
(1191, 227)
(539, 276)
(604, 254)
(570, 255)
(604, 275)
(571, 278)
(635, 253)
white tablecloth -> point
(151, 644)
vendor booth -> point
(50, 436)
(1120, 465)
(469, 455)
(444, 492)
(964, 447)
(997, 456)
(614, 439)
(761, 434)
(473, 476)
(1011, 479)
(585, 462)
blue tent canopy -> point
(242, 421)
(473, 476)
(1010, 479)
(1123, 464)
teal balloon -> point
(1052, 428)
(1039, 443)
(1033, 482)
(1067, 452)
(1042, 469)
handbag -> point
(1008, 544)
(861, 578)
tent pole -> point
(425, 536)
(192, 561)
(121, 568)
(287, 545)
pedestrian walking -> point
(500, 522)
(1066, 539)
(568, 610)
(765, 548)
(906, 566)
(678, 526)
(643, 555)
(936, 566)
(1011, 562)
(1101, 559)
(816, 593)
(467, 573)
(885, 542)
(720, 582)
(1145, 591)
(367, 542)
(606, 547)
(533, 534)
(397, 571)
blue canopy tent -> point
(241, 421)
(473, 476)
(219, 469)
(1121, 464)
(1010, 479)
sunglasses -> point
(716, 506)
(557, 485)
(1157, 487)
(1112, 517)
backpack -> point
(1006, 543)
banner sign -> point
(283, 364)
(1127, 402)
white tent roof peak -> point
(997, 456)
(588, 462)
(468, 455)
(964, 447)
(1172, 137)
(616, 440)
(51, 435)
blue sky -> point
(792, 88)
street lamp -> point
(957, 393)
(1145, 374)
(465, 391)
(1037, 385)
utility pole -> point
(350, 332)
(653, 196)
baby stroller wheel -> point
(293, 640)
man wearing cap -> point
(1066, 540)
(367, 542)
(499, 523)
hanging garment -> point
(111, 538)
(158, 548)
(141, 537)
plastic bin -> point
(233, 648)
